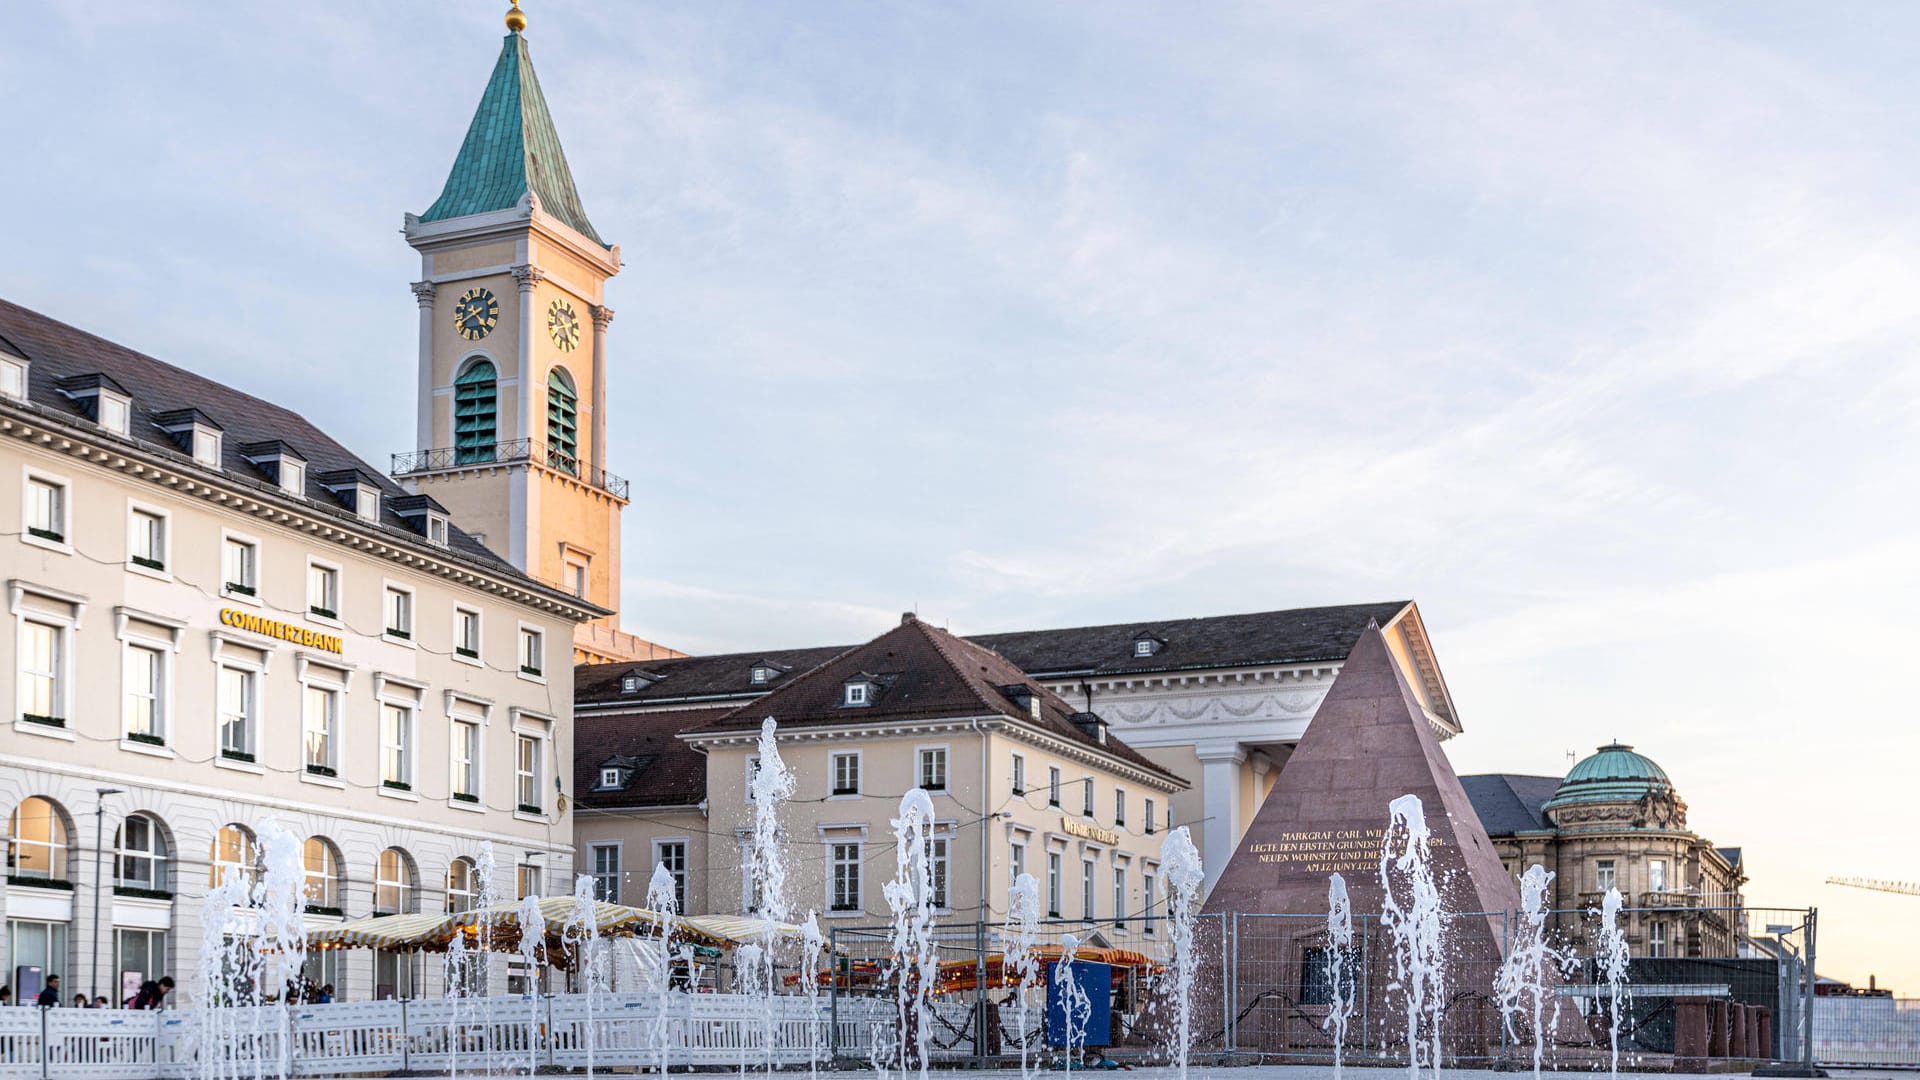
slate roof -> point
(924, 673)
(56, 351)
(1509, 803)
(512, 148)
(1299, 635)
(666, 771)
(694, 678)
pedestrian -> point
(152, 995)
(326, 995)
(49, 997)
(80, 1002)
(101, 1002)
(6, 995)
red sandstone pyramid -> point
(1369, 743)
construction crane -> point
(1904, 888)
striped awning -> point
(496, 928)
(740, 930)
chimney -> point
(907, 617)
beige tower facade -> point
(512, 377)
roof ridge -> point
(1146, 624)
(972, 683)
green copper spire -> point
(510, 149)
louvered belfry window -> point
(475, 431)
(563, 441)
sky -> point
(1588, 326)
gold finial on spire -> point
(516, 19)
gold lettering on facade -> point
(1326, 851)
(1089, 832)
(273, 628)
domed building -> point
(1617, 821)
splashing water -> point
(1341, 1002)
(458, 960)
(812, 947)
(224, 977)
(485, 896)
(910, 899)
(1411, 914)
(772, 785)
(1521, 985)
(1181, 870)
(1076, 1009)
(661, 900)
(533, 936)
(581, 933)
(1023, 910)
(282, 947)
(1612, 957)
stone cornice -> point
(30, 423)
(512, 222)
(424, 292)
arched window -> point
(393, 883)
(563, 435)
(475, 412)
(37, 841)
(323, 876)
(140, 854)
(233, 853)
(463, 885)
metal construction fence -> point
(1866, 1030)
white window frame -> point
(1053, 786)
(1056, 885)
(1119, 807)
(13, 377)
(537, 776)
(62, 510)
(1657, 944)
(1016, 859)
(1089, 890)
(256, 675)
(539, 637)
(455, 721)
(857, 864)
(833, 773)
(335, 682)
(945, 759)
(1017, 774)
(1086, 796)
(577, 569)
(857, 694)
(1146, 814)
(336, 580)
(1606, 875)
(479, 636)
(206, 445)
(407, 745)
(685, 844)
(161, 697)
(612, 895)
(1149, 880)
(940, 866)
(135, 511)
(1119, 896)
(1142, 647)
(61, 693)
(228, 536)
(123, 406)
(388, 590)
(292, 476)
(1657, 882)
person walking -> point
(50, 996)
(152, 995)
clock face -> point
(475, 314)
(563, 324)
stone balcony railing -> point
(510, 452)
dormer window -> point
(437, 529)
(761, 675)
(858, 693)
(1145, 645)
(293, 477)
(633, 682)
(13, 377)
(106, 402)
(194, 432)
(610, 777)
(279, 463)
(425, 515)
(356, 491)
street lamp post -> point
(99, 823)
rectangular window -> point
(206, 448)
(610, 778)
(466, 633)
(606, 872)
(1169, 817)
(856, 693)
(577, 578)
(1603, 877)
(1019, 774)
(13, 379)
(1086, 796)
(1146, 900)
(1657, 875)
(526, 775)
(933, 768)
(319, 717)
(532, 651)
(672, 854)
(396, 746)
(846, 774)
(1053, 884)
(937, 850)
(1656, 939)
(526, 881)
(466, 761)
(240, 567)
(1016, 861)
(399, 613)
(147, 540)
(142, 717)
(293, 477)
(323, 591)
(236, 707)
(142, 954)
(1119, 808)
(46, 509)
(42, 651)
(1086, 890)
(1146, 815)
(846, 878)
(1053, 785)
(113, 413)
(1120, 897)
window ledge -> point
(860, 914)
(60, 546)
(843, 798)
(525, 677)
(240, 597)
(322, 781)
(148, 571)
(159, 750)
(325, 620)
(392, 639)
(253, 767)
(470, 661)
(469, 807)
(48, 730)
(386, 792)
(522, 815)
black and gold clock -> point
(563, 324)
(476, 313)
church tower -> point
(513, 353)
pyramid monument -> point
(1368, 744)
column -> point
(528, 276)
(1220, 804)
(602, 316)
(423, 294)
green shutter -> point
(475, 399)
(563, 439)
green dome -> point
(1614, 774)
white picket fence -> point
(464, 1035)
